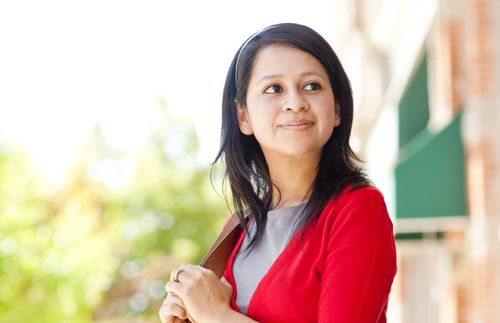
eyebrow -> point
(266, 77)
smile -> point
(297, 125)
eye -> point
(273, 89)
(313, 86)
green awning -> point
(430, 175)
(414, 104)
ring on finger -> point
(176, 275)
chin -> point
(300, 153)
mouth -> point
(297, 125)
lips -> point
(297, 124)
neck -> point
(292, 179)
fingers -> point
(173, 316)
(172, 309)
(225, 281)
(176, 273)
(187, 273)
(175, 288)
(172, 319)
(168, 318)
(195, 287)
(182, 270)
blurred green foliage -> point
(100, 247)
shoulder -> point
(365, 204)
(350, 197)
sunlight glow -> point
(66, 66)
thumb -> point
(225, 281)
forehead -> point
(282, 58)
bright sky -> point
(65, 65)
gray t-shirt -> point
(250, 267)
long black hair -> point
(245, 165)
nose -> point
(295, 101)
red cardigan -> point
(343, 271)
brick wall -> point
(483, 147)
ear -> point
(337, 116)
(243, 119)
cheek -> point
(327, 125)
(262, 127)
(262, 118)
(328, 117)
(327, 121)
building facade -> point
(426, 81)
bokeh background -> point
(110, 118)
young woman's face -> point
(290, 105)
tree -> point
(101, 247)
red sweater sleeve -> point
(360, 262)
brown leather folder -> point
(220, 251)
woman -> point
(318, 243)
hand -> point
(204, 296)
(173, 310)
